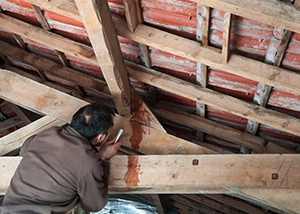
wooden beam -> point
(17, 89)
(8, 168)
(174, 173)
(238, 65)
(226, 37)
(46, 83)
(43, 21)
(274, 13)
(282, 126)
(131, 14)
(10, 122)
(51, 106)
(221, 131)
(207, 96)
(54, 68)
(15, 139)
(100, 27)
(48, 39)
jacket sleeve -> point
(93, 188)
(26, 145)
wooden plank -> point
(43, 21)
(226, 37)
(207, 96)
(39, 14)
(274, 13)
(159, 202)
(54, 68)
(100, 28)
(221, 131)
(47, 38)
(8, 168)
(10, 122)
(238, 65)
(9, 165)
(46, 83)
(163, 172)
(15, 139)
(263, 91)
(270, 12)
(131, 14)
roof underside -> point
(246, 60)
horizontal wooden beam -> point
(47, 65)
(15, 139)
(238, 65)
(276, 13)
(226, 103)
(222, 131)
(175, 173)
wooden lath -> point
(186, 48)
(265, 116)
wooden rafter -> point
(54, 68)
(221, 131)
(238, 65)
(43, 21)
(100, 27)
(226, 103)
(232, 105)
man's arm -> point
(93, 188)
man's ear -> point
(100, 137)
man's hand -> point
(109, 148)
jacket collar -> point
(72, 131)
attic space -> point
(210, 88)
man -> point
(62, 166)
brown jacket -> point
(59, 168)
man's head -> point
(93, 120)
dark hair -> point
(92, 120)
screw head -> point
(274, 176)
(195, 162)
